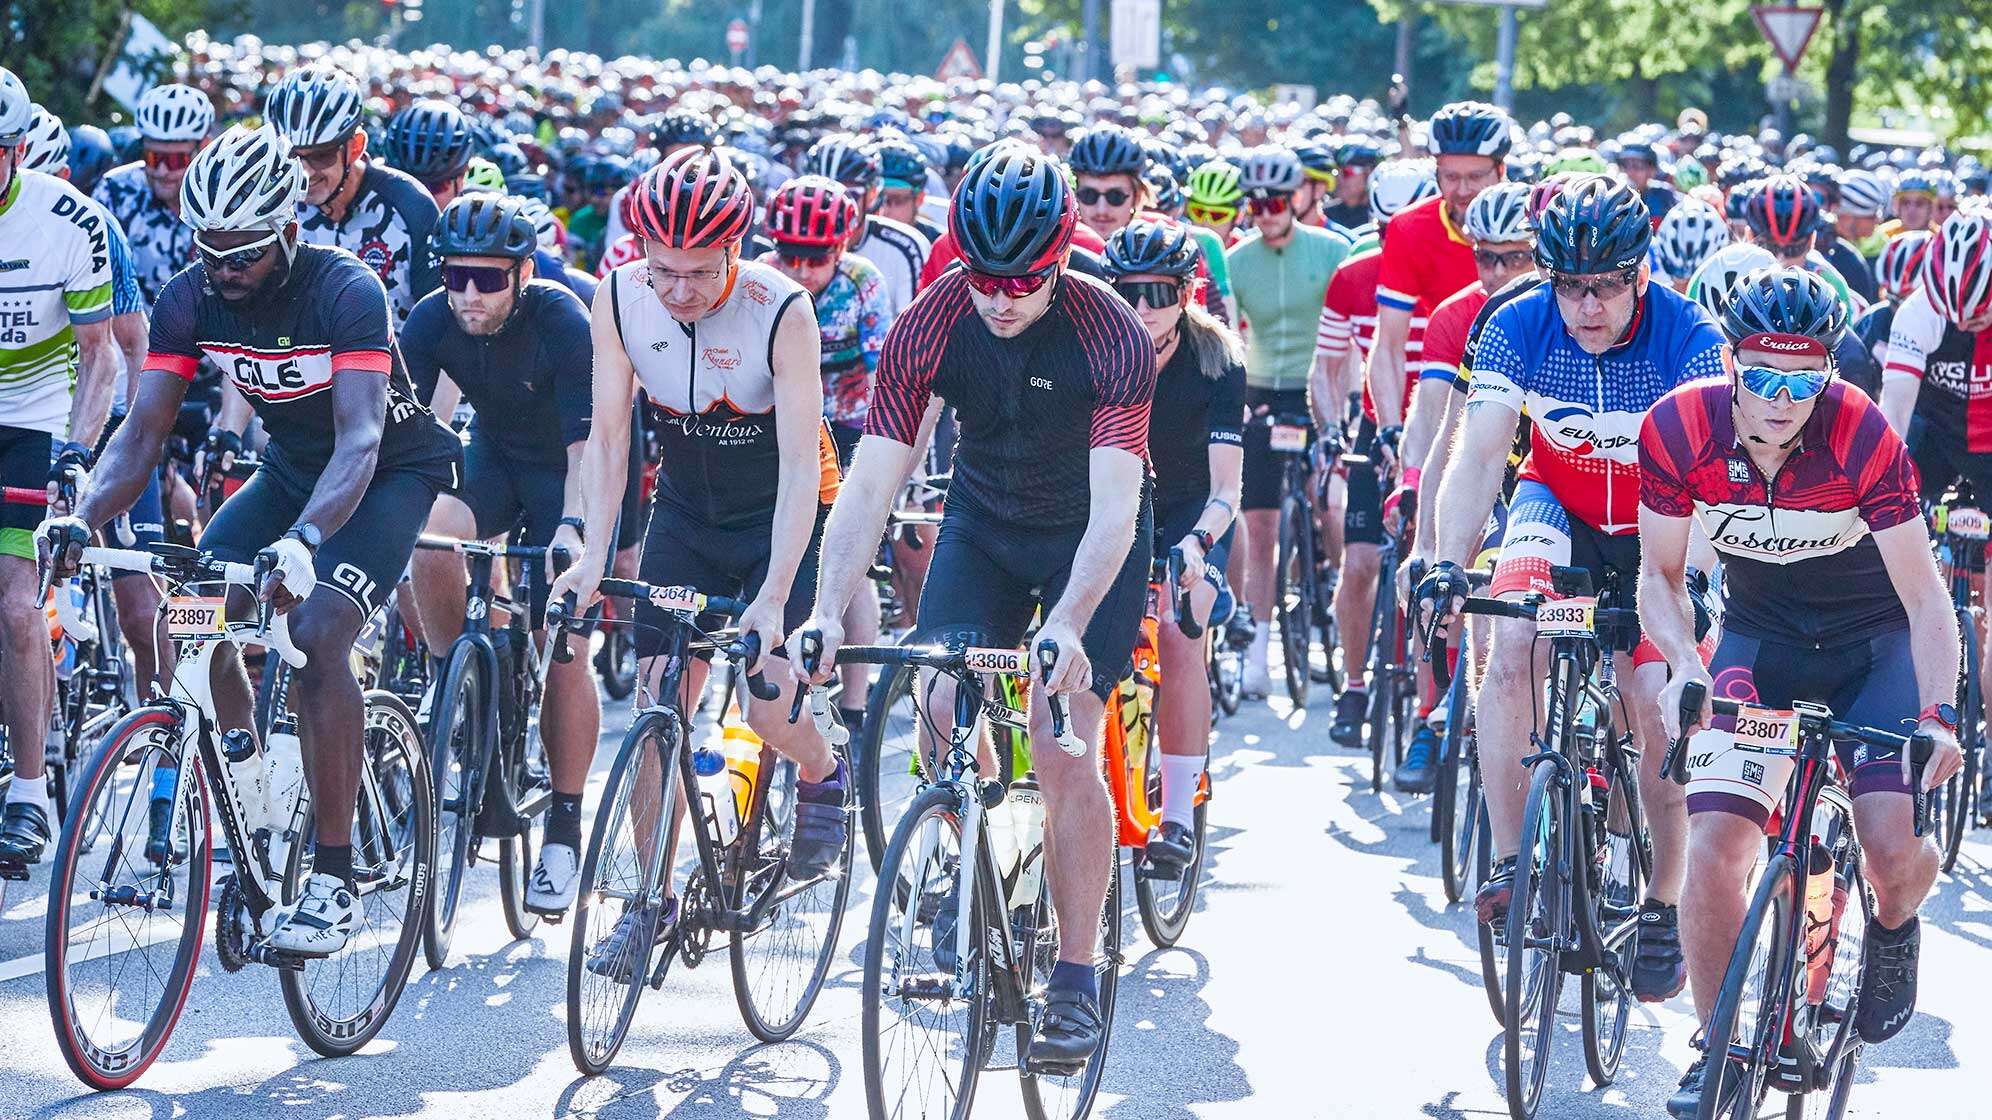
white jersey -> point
(723, 359)
(55, 274)
(899, 252)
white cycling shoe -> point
(321, 922)
(555, 880)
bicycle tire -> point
(913, 852)
(515, 867)
(1456, 804)
(615, 662)
(95, 1062)
(819, 902)
(874, 814)
(1227, 675)
(590, 1056)
(1049, 1097)
(457, 738)
(1493, 957)
(1536, 912)
(1606, 991)
(402, 812)
(1165, 917)
(1959, 792)
(1766, 925)
(1296, 597)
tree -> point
(57, 46)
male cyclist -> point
(431, 141)
(1839, 605)
(1212, 199)
(1784, 216)
(144, 197)
(1349, 204)
(897, 250)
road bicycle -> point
(108, 903)
(1299, 605)
(1962, 528)
(1392, 673)
(1459, 816)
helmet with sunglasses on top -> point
(1595, 225)
(314, 106)
(1899, 269)
(696, 199)
(811, 210)
(245, 180)
(1271, 169)
(174, 114)
(1013, 214)
(487, 225)
(1150, 248)
(1786, 311)
(1500, 214)
(1957, 269)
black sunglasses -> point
(1158, 293)
(1114, 197)
(241, 258)
(1604, 286)
(486, 278)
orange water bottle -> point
(1821, 926)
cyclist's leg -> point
(1182, 711)
(800, 740)
(1259, 508)
(1355, 595)
(861, 614)
(27, 681)
(139, 620)
(972, 600)
(247, 523)
(487, 500)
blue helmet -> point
(90, 155)
(1597, 224)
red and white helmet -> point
(1899, 270)
(812, 210)
(696, 199)
(1957, 270)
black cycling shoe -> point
(1350, 709)
(1888, 980)
(1687, 1098)
(1659, 971)
(821, 827)
(1490, 902)
(1170, 849)
(1420, 771)
(160, 822)
(24, 832)
(1071, 1032)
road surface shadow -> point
(793, 1079)
(1160, 1011)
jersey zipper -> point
(1597, 430)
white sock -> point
(34, 792)
(1261, 642)
(1181, 774)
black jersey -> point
(388, 227)
(1194, 409)
(531, 382)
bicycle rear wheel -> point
(1832, 1027)
(1747, 1026)
(1166, 904)
(113, 1014)
(1458, 809)
(780, 963)
(1227, 675)
(1296, 596)
(1620, 876)
(340, 1002)
(886, 758)
(1536, 925)
(1493, 953)
(527, 783)
(457, 736)
(615, 662)
(1049, 1096)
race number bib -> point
(1014, 662)
(1969, 524)
(1287, 437)
(195, 618)
(1567, 618)
(677, 599)
(1767, 729)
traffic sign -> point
(736, 36)
(1789, 27)
(959, 62)
(1137, 33)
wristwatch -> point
(1205, 540)
(1944, 714)
(308, 533)
(579, 525)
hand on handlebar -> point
(292, 578)
(59, 545)
(1193, 561)
(1072, 672)
(816, 644)
(1443, 591)
(1946, 757)
(1670, 700)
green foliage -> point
(56, 46)
(1931, 56)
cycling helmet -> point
(509, 159)
(546, 227)
(1899, 270)
(481, 174)
(315, 105)
(1916, 180)
(1736, 207)
(1317, 159)
(1471, 128)
(1583, 161)
(1358, 152)
(1687, 235)
(1790, 304)
(1545, 192)
(1957, 270)
(606, 175)
(1148, 247)
(1168, 192)
(811, 210)
(900, 163)
(126, 144)
(1783, 210)
(1712, 282)
(1013, 214)
(1595, 225)
(1214, 184)
(1637, 149)
(16, 111)
(1399, 184)
(695, 199)
(1271, 169)
(1107, 149)
(486, 225)
(845, 159)
(245, 180)
(1733, 173)
(1500, 213)
(174, 113)
(1167, 156)
(683, 126)
(1689, 174)
(90, 156)
(431, 141)
(46, 146)
(1862, 192)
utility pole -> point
(808, 36)
(993, 61)
(1504, 61)
(1089, 41)
(536, 26)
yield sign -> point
(959, 63)
(1789, 28)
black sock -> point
(1897, 935)
(1074, 978)
(828, 791)
(853, 718)
(335, 860)
(563, 820)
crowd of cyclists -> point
(728, 331)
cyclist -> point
(903, 185)
(516, 347)
(1052, 377)
(1639, 162)
(144, 197)
(1783, 215)
(353, 462)
(90, 157)
(431, 141)
(1213, 199)
(677, 127)
(58, 362)
(1319, 162)
(897, 250)
(1687, 236)
(1586, 355)
(1913, 201)
(1349, 205)
(1279, 275)
(1840, 605)
(1898, 273)
(729, 350)
(1107, 162)
(1857, 213)
(1937, 342)
(374, 212)
(1193, 444)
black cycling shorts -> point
(363, 560)
(986, 583)
(1362, 513)
(1941, 460)
(679, 551)
(1265, 469)
(846, 439)
(24, 461)
(504, 494)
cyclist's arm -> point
(797, 362)
(359, 416)
(605, 460)
(1933, 636)
(130, 330)
(1115, 476)
(857, 519)
(1466, 496)
(1434, 471)
(1916, 331)
(100, 365)
(129, 459)
(1666, 615)
(1227, 451)
(1386, 364)
(1429, 402)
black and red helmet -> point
(812, 210)
(696, 199)
(1013, 213)
(1783, 210)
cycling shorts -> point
(1265, 469)
(363, 560)
(846, 438)
(24, 460)
(1542, 535)
(986, 583)
(1942, 460)
(629, 523)
(504, 494)
(1489, 552)
(680, 552)
(1871, 682)
(1362, 514)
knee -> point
(1721, 849)
(324, 636)
(1360, 562)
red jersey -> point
(1425, 259)
(1446, 334)
(1348, 312)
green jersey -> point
(1278, 293)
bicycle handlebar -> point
(1185, 619)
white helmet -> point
(175, 113)
(1688, 234)
(315, 105)
(47, 148)
(17, 113)
(245, 180)
(1399, 183)
(1957, 270)
(1718, 275)
(544, 224)
(1499, 213)
(1862, 192)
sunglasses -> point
(801, 260)
(1157, 293)
(168, 161)
(1016, 287)
(486, 278)
(1512, 259)
(1114, 197)
(242, 257)
(1271, 204)
(321, 157)
(1799, 384)
(1212, 215)
(1604, 286)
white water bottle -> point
(722, 812)
(283, 768)
(246, 775)
(1003, 838)
(1027, 817)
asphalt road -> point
(1324, 976)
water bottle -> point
(743, 767)
(722, 814)
(1003, 837)
(1819, 923)
(246, 775)
(283, 769)
(1027, 825)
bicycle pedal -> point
(1039, 1068)
(13, 872)
(282, 959)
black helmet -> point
(1783, 210)
(1107, 149)
(1168, 190)
(430, 140)
(1013, 213)
(1784, 301)
(1157, 248)
(900, 161)
(1596, 224)
(1359, 151)
(846, 159)
(682, 126)
(486, 225)
(1471, 128)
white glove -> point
(294, 567)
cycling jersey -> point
(1954, 367)
(1212, 262)
(1800, 557)
(387, 227)
(1425, 259)
(1348, 215)
(531, 383)
(1348, 314)
(1852, 267)
(1279, 294)
(161, 244)
(714, 383)
(126, 297)
(1193, 411)
(282, 350)
(1031, 407)
(1446, 336)
(1585, 409)
(850, 315)
(55, 275)
(899, 252)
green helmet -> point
(483, 175)
(1215, 184)
(1584, 161)
(1689, 174)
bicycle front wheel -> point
(1536, 926)
(1049, 1096)
(780, 961)
(456, 738)
(1295, 575)
(887, 757)
(1458, 802)
(1747, 1026)
(1619, 876)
